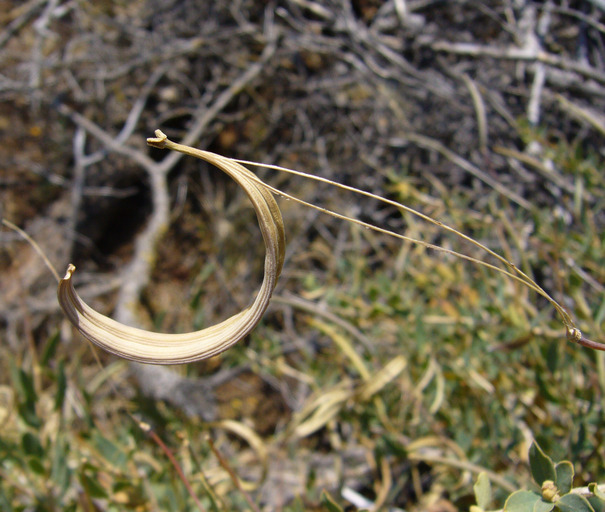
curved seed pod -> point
(150, 347)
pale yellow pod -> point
(151, 347)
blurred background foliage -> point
(384, 373)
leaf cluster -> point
(556, 491)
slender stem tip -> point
(70, 270)
(159, 141)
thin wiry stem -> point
(573, 333)
(518, 274)
(36, 247)
(175, 464)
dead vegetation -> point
(484, 114)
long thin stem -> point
(573, 333)
(34, 244)
(149, 431)
(234, 478)
(521, 276)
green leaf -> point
(4, 502)
(394, 446)
(92, 486)
(545, 388)
(329, 503)
(26, 394)
(552, 357)
(597, 503)
(48, 352)
(522, 501)
(36, 466)
(297, 505)
(483, 491)
(111, 452)
(31, 445)
(60, 472)
(61, 386)
(543, 506)
(26, 386)
(27, 412)
(580, 443)
(574, 503)
(541, 465)
(594, 488)
(565, 472)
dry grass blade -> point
(383, 377)
(256, 443)
(322, 410)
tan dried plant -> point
(150, 347)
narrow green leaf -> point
(26, 396)
(545, 389)
(92, 486)
(4, 502)
(27, 386)
(31, 445)
(36, 466)
(60, 473)
(297, 505)
(483, 491)
(552, 357)
(581, 441)
(207, 270)
(61, 386)
(574, 503)
(394, 446)
(27, 412)
(110, 451)
(329, 503)
(541, 465)
(50, 348)
(565, 472)
(522, 501)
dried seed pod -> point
(150, 347)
